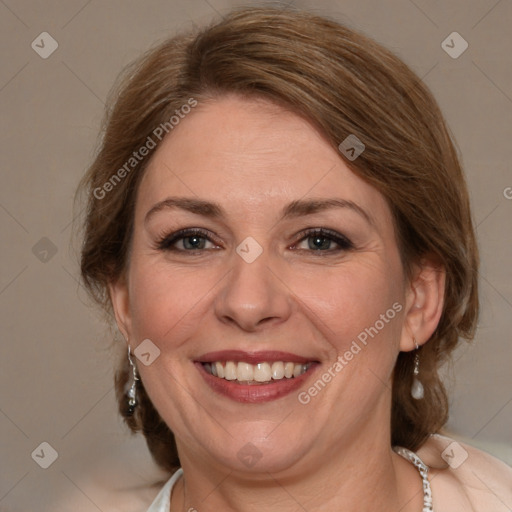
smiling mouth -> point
(255, 374)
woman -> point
(279, 222)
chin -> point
(252, 450)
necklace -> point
(423, 470)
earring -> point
(132, 392)
(417, 391)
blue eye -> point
(191, 239)
(318, 240)
(321, 240)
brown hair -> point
(343, 83)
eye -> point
(191, 239)
(318, 240)
(322, 240)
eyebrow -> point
(295, 209)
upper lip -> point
(253, 357)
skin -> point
(254, 158)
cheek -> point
(163, 303)
(363, 303)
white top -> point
(463, 479)
(162, 502)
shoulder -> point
(464, 478)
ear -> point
(120, 299)
(424, 303)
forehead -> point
(249, 155)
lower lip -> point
(255, 393)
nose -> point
(253, 295)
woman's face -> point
(261, 284)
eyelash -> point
(166, 242)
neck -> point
(365, 474)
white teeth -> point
(219, 369)
(277, 370)
(261, 372)
(244, 371)
(230, 371)
(297, 370)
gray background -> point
(56, 364)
